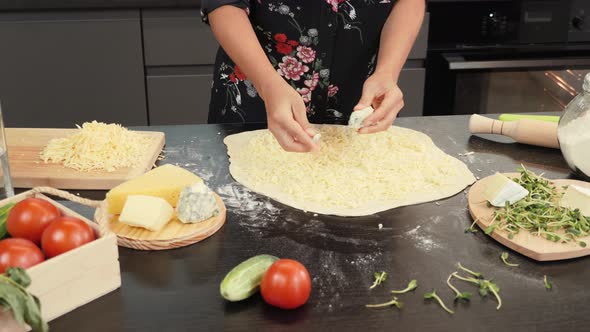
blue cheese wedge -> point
(357, 118)
(149, 212)
(196, 203)
(501, 189)
(576, 197)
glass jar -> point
(574, 132)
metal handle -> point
(457, 62)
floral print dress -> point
(325, 49)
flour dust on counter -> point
(352, 174)
(193, 159)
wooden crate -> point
(70, 280)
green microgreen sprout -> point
(548, 284)
(413, 284)
(434, 296)
(465, 296)
(394, 302)
(475, 274)
(379, 278)
(471, 228)
(540, 213)
(504, 258)
(485, 287)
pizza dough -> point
(352, 174)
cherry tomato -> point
(19, 253)
(29, 218)
(64, 234)
(286, 284)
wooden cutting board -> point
(174, 235)
(28, 170)
(524, 242)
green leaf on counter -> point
(25, 307)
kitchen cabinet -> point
(59, 69)
(176, 38)
(178, 99)
(179, 56)
(411, 82)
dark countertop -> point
(178, 290)
(94, 4)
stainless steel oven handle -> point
(459, 63)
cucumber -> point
(243, 280)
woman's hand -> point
(287, 116)
(381, 92)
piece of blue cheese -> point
(197, 203)
(149, 212)
(500, 189)
(576, 197)
(358, 117)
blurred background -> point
(147, 62)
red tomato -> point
(29, 218)
(286, 284)
(64, 234)
(19, 253)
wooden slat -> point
(97, 282)
(72, 265)
(28, 170)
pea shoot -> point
(485, 286)
(432, 295)
(465, 296)
(394, 302)
(504, 258)
(379, 278)
(413, 284)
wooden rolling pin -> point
(527, 131)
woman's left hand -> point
(381, 92)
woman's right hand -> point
(287, 116)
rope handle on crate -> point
(66, 195)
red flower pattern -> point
(313, 82)
(284, 49)
(291, 68)
(233, 78)
(239, 73)
(306, 54)
(292, 43)
(305, 94)
(281, 37)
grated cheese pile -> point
(97, 146)
(351, 170)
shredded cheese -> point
(350, 170)
(98, 146)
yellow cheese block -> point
(165, 181)
(149, 212)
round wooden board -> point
(174, 235)
(530, 245)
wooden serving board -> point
(28, 170)
(174, 235)
(524, 242)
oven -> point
(506, 56)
